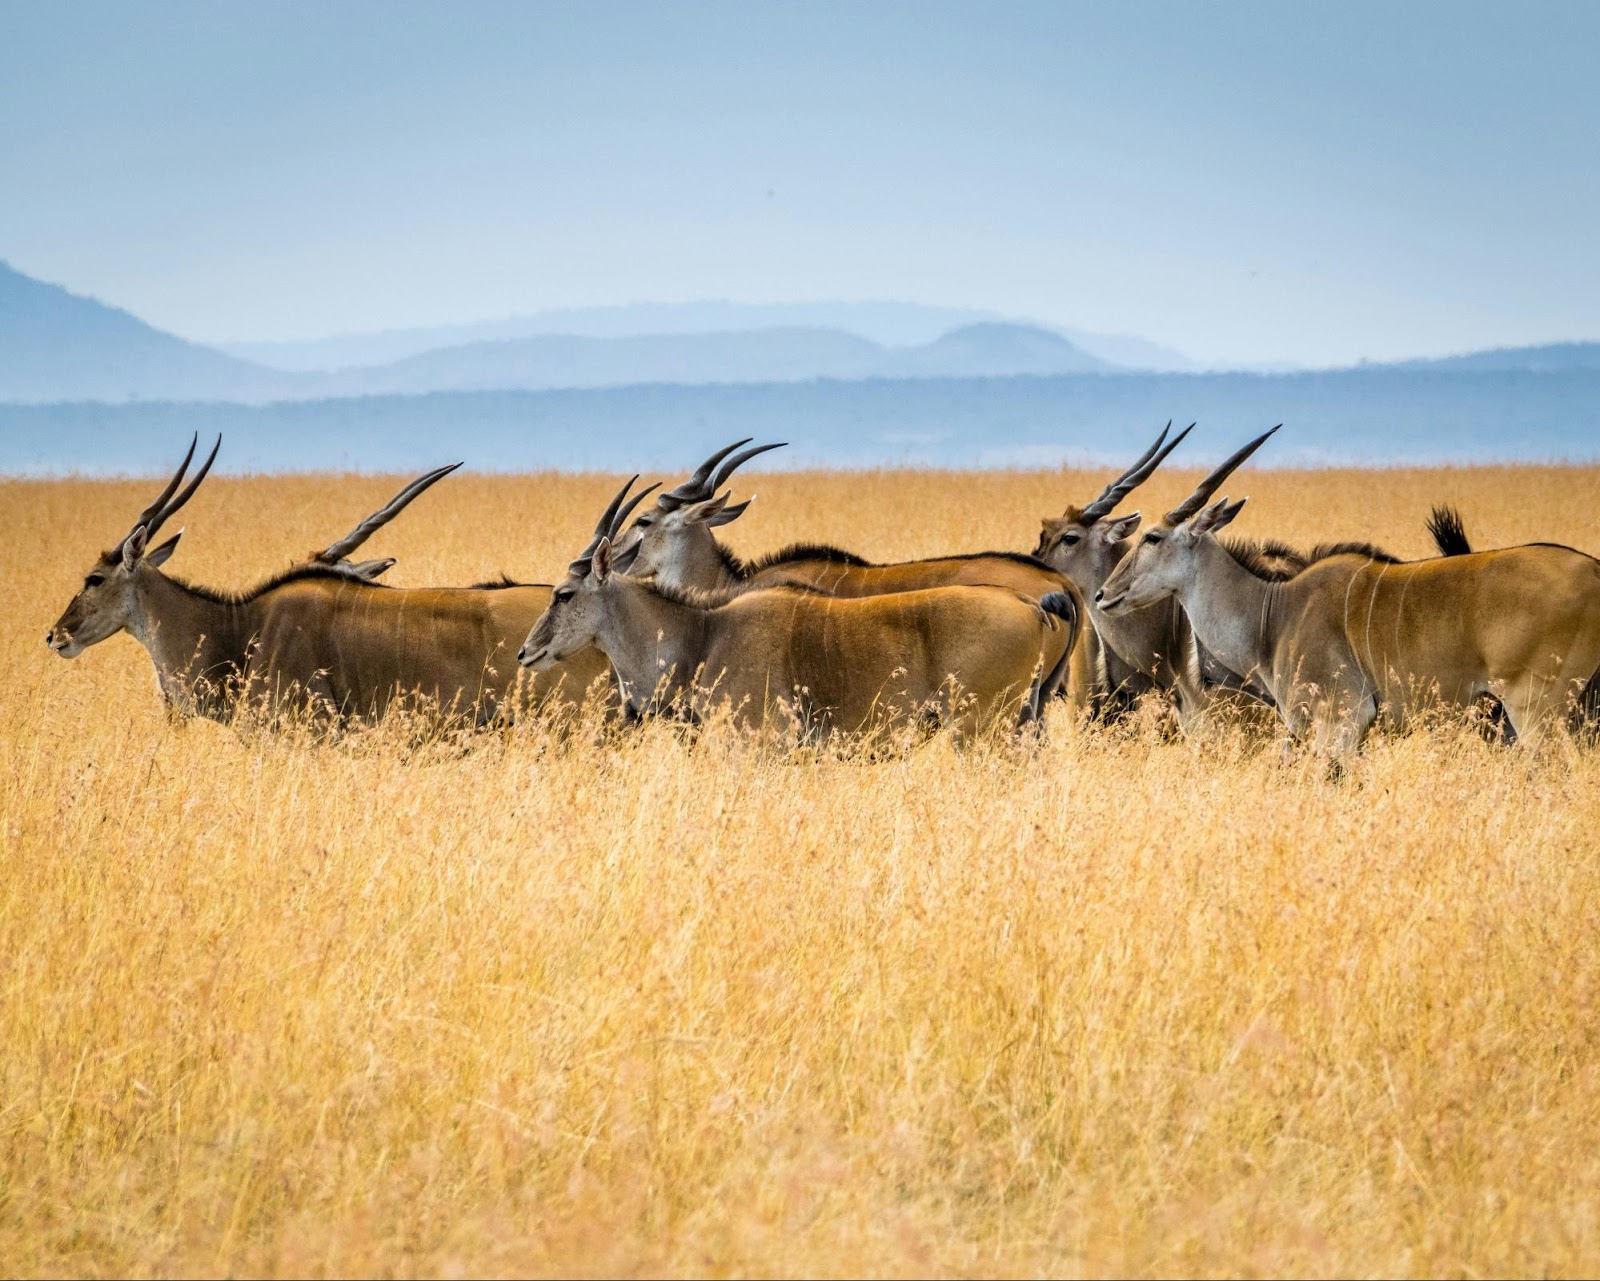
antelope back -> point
(973, 653)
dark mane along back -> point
(1269, 559)
(796, 553)
(342, 573)
(495, 584)
(1277, 562)
(1020, 558)
(716, 597)
(1324, 550)
(802, 551)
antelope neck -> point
(1229, 608)
(1146, 639)
(655, 644)
(189, 636)
(703, 564)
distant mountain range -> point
(889, 324)
(58, 346)
(87, 386)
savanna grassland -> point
(1120, 1004)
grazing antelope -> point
(1350, 638)
(673, 545)
(970, 656)
(320, 634)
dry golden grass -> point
(1122, 1005)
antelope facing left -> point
(1352, 638)
(320, 635)
(970, 657)
(1155, 648)
(674, 546)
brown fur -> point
(785, 655)
(322, 637)
(1354, 638)
(678, 550)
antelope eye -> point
(644, 522)
(565, 594)
(1152, 538)
(94, 580)
(1068, 540)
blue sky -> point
(1248, 183)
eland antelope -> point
(970, 657)
(320, 634)
(674, 546)
(1351, 639)
(1155, 648)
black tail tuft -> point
(1449, 535)
(1062, 606)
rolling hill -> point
(56, 345)
(889, 324)
(563, 360)
(1548, 358)
(754, 356)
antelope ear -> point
(158, 556)
(133, 546)
(1229, 513)
(730, 514)
(372, 570)
(709, 510)
(600, 562)
(622, 561)
(1210, 519)
(1120, 528)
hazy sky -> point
(1245, 182)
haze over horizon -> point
(1249, 186)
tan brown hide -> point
(675, 545)
(1351, 638)
(786, 658)
(1022, 575)
(357, 647)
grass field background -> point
(1116, 1005)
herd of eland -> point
(658, 617)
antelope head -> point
(572, 619)
(674, 540)
(1163, 561)
(108, 601)
(1084, 542)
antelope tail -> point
(1449, 534)
(1060, 605)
